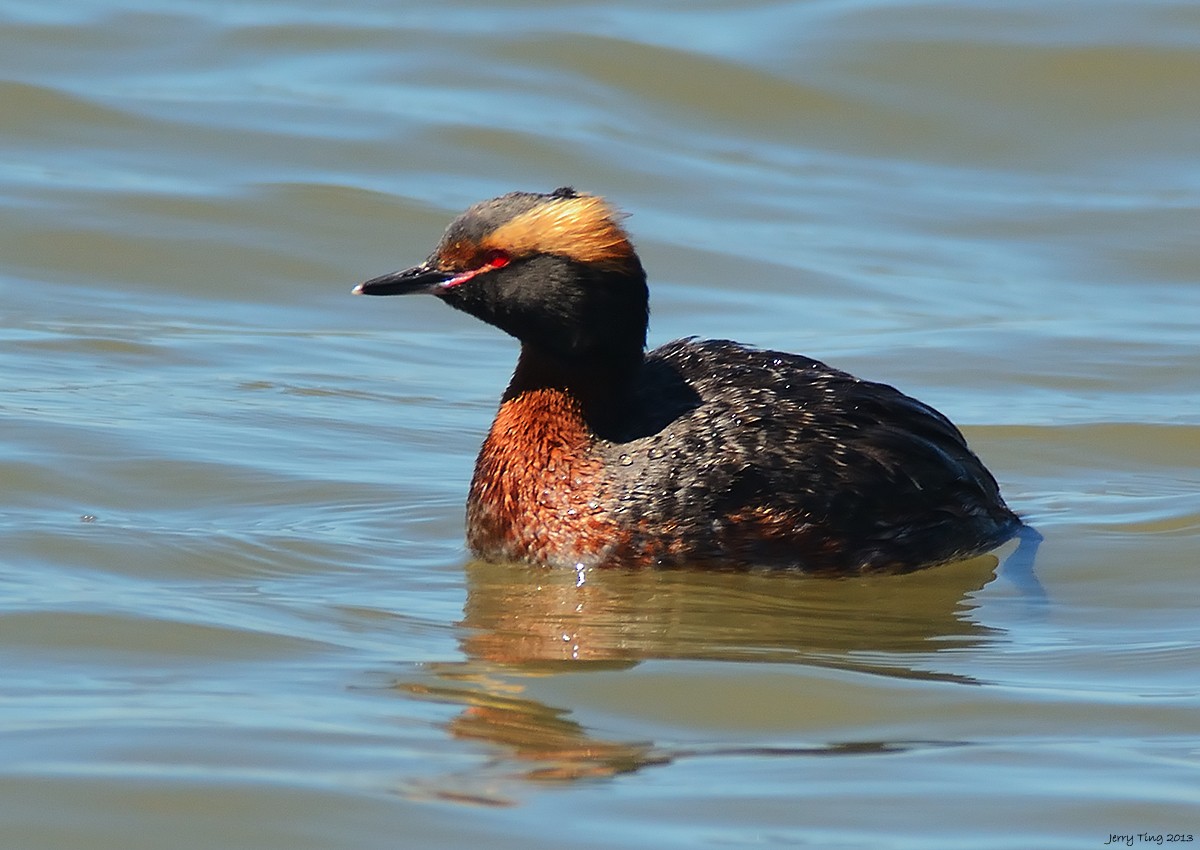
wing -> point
(773, 458)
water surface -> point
(235, 605)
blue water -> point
(235, 605)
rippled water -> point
(235, 606)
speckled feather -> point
(730, 456)
(777, 459)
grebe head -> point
(556, 270)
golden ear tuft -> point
(582, 227)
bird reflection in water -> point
(523, 623)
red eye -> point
(496, 258)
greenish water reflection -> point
(521, 623)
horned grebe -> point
(700, 453)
